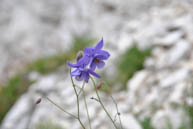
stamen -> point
(97, 60)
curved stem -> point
(102, 105)
(73, 116)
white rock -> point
(175, 77)
(178, 93)
(170, 39)
(19, 116)
(162, 117)
(137, 80)
(180, 50)
(130, 122)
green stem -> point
(73, 116)
(118, 113)
(102, 105)
(86, 105)
(77, 101)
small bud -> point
(99, 85)
(94, 99)
(79, 55)
(119, 113)
(38, 101)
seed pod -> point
(99, 85)
(38, 101)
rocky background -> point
(156, 97)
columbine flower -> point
(81, 73)
(96, 56)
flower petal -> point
(85, 60)
(88, 51)
(72, 65)
(86, 77)
(101, 64)
(76, 72)
(103, 53)
(94, 74)
(101, 57)
(99, 45)
(93, 65)
(79, 78)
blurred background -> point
(149, 72)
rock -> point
(176, 77)
(20, 115)
(179, 52)
(170, 39)
(163, 117)
(130, 122)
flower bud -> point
(79, 55)
(38, 101)
(99, 85)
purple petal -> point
(88, 51)
(72, 65)
(94, 74)
(101, 57)
(101, 64)
(93, 66)
(103, 53)
(76, 72)
(85, 60)
(86, 77)
(79, 78)
(99, 45)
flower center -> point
(79, 76)
(97, 60)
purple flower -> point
(81, 73)
(96, 56)
(93, 57)
(98, 62)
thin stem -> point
(73, 116)
(115, 118)
(102, 105)
(118, 113)
(81, 89)
(77, 101)
(84, 96)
